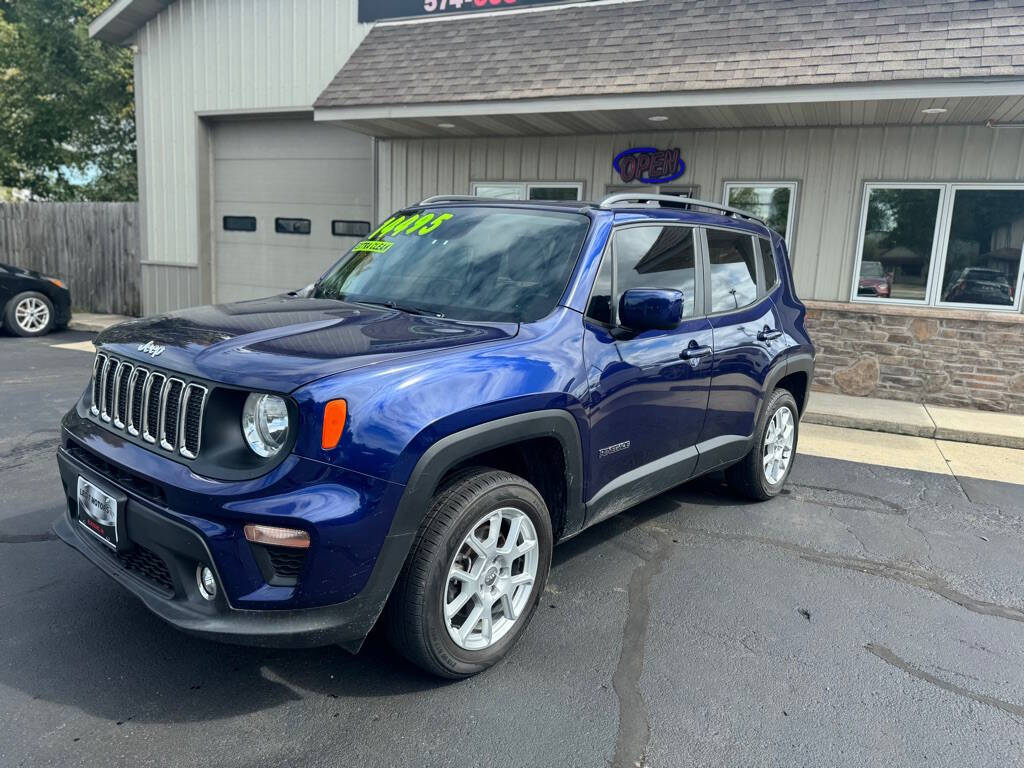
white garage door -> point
(279, 186)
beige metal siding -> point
(216, 56)
(831, 165)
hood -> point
(281, 343)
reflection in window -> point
(554, 193)
(771, 274)
(600, 306)
(500, 191)
(898, 237)
(986, 235)
(656, 257)
(770, 202)
(522, 190)
(733, 270)
(292, 226)
(648, 257)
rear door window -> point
(733, 278)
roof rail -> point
(677, 201)
(449, 199)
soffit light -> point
(658, 118)
(446, 125)
(934, 111)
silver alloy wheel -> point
(490, 580)
(31, 314)
(778, 445)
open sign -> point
(649, 165)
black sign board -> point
(374, 10)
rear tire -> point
(762, 473)
(29, 314)
(474, 575)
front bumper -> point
(344, 582)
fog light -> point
(207, 582)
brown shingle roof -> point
(675, 46)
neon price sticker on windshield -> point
(372, 246)
(416, 224)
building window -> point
(942, 245)
(982, 260)
(292, 226)
(679, 190)
(516, 190)
(350, 228)
(733, 270)
(239, 223)
(774, 202)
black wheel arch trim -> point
(430, 469)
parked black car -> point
(977, 285)
(32, 304)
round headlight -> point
(265, 424)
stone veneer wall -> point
(958, 358)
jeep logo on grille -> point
(151, 349)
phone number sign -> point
(375, 10)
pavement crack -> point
(886, 655)
(631, 742)
(905, 574)
(835, 497)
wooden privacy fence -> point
(93, 247)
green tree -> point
(67, 111)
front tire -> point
(29, 314)
(474, 575)
(763, 472)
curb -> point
(895, 428)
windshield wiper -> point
(407, 308)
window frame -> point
(943, 253)
(794, 191)
(940, 246)
(334, 222)
(238, 217)
(525, 187)
(279, 231)
(762, 291)
(700, 284)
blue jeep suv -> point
(407, 438)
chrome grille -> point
(163, 410)
(97, 383)
(124, 375)
(137, 386)
(151, 406)
(107, 396)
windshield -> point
(871, 269)
(468, 263)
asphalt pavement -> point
(870, 616)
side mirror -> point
(304, 293)
(651, 309)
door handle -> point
(694, 352)
(769, 334)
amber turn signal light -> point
(277, 537)
(335, 413)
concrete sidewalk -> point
(87, 321)
(954, 424)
